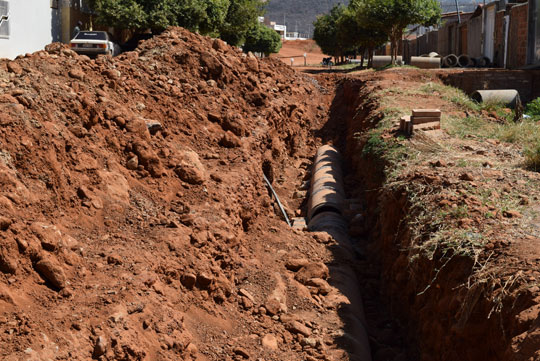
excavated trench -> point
(399, 321)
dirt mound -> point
(297, 49)
(134, 220)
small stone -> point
(245, 293)
(467, 177)
(312, 270)
(188, 280)
(132, 163)
(52, 272)
(8, 263)
(270, 341)
(296, 263)
(14, 67)
(190, 169)
(230, 140)
(4, 223)
(114, 259)
(309, 341)
(76, 74)
(439, 163)
(204, 280)
(273, 307)
(322, 286)
(297, 327)
(512, 214)
(100, 347)
(242, 352)
(153, 126)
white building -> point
(28, 25)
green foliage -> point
(125, 14)
(391, 17)
(325, 33)
(533, 108)
(262, 39)
(229, 18)
(241, 17)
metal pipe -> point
(508, 97)
(277, 200)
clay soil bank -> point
(450, 214)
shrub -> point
(533, 108)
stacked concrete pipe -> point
(464, 61)
(326, 206)
(450, 61)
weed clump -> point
(533, 108)
(532, 157)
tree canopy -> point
(326, 33)
(262, 39)
(392, 16)
(230, 19)
(367, 24)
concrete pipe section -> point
(508, 97)
(481, 62)
(325, 214)
(450, 61)
(383, 60)
(464, 61)
(327, 193)
(425, 62)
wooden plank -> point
(402, 122)
(428, 126)
(422, 120)
(426, 112)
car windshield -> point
(91, 35)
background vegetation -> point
(235, 21)
(364, 25)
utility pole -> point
(457, 10)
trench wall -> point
(445, 321)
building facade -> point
(27, 26)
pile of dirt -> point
(134, 222)
(296, 49)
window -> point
(4, 19)
(91, 35)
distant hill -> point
(299, 15)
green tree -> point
(262, 39)
(229, 19)
(215, 11)
(392, 16)
(326, 31)
(242, 15)
(124, 14)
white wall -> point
(33, 24)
